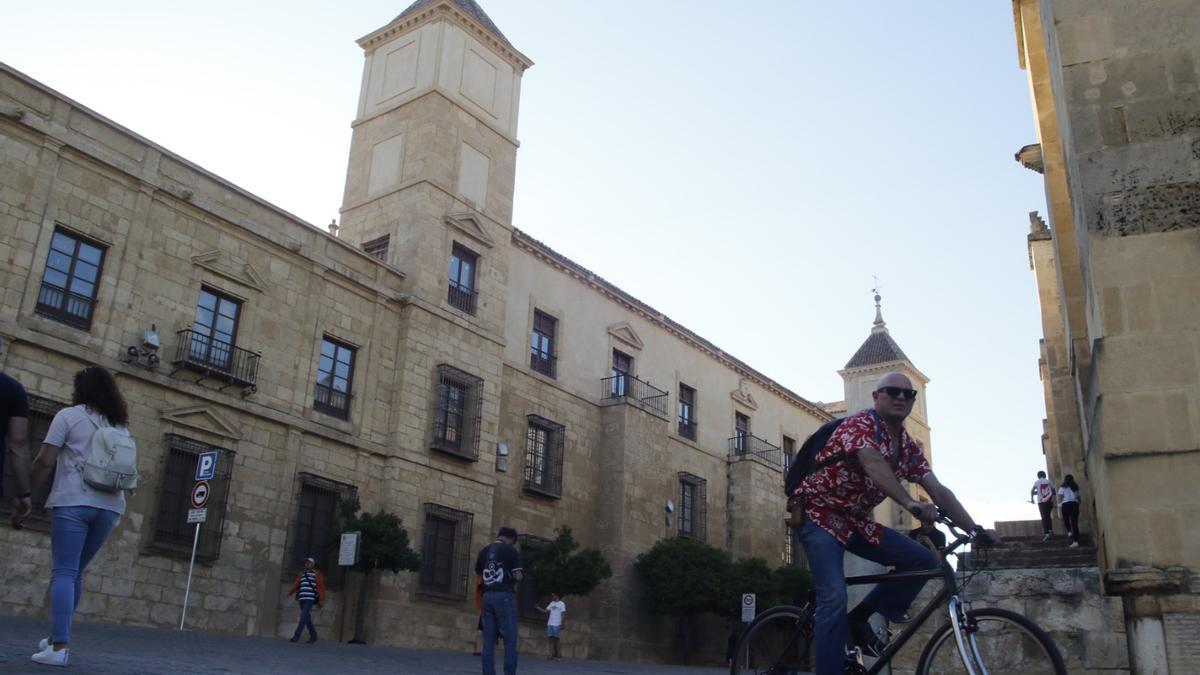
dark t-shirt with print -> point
(496, 564)
(13, 403)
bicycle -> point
(987, 641)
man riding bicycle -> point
(861, 464)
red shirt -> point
(840, 497)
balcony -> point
(212, 358)
(546, 364)
(462, 297)
(687, 428)
(62, 305)
(746, 446)
(626, 386)
(332, 402)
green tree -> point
(382, 545)
(557, 568)
(749, 575)
(683, 578)
(794, 585)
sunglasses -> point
(899, 392)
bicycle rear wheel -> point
(999, 642)
(775, 643)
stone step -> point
(1010, 556)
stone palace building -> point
(427, 356)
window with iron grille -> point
(544, 441)
(377, 248)
(335, 375)
(316, 534)
(462, 279)
(68, 291)
(41, 413)
(459, 413)
(789, 453)
(542, 356)
(687, 412)
(172, 533)
(741, 432)
(445, 552)
(693, 505)
(527, 598)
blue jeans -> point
(499, 612)
(826, 559)
(305, 621)
(76, 535)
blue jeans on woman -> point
(826, 559)
(76, 535)
(499, 612)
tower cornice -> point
(444, 9)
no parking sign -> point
(748, 607)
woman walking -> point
(1068, 503)
(83, 516)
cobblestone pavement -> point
(110, 648)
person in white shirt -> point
(555, 609)
(1043, 490)
(1068, 504)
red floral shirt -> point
(840, 497)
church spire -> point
(880, 325)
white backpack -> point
(112, 465)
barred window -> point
(173, 535)
(377, 248)
(544, 441)
(527, 597)
(693, 505)
(542, 352)
(335, 376)
(445, 552)
(687, 412)
(68, 291)
(41, 413)
(459, 413)
(316, 534)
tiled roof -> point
(469, 6)
(879, 348)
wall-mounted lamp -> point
(147, 353)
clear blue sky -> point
(743, 167)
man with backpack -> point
(865, 458)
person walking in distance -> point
(555, 609)
(83, 516)
(862, 463)
(500, 566)
(309, 589)
(1043, 492)
(1068, 503)
(14, 445)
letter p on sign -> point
(206, 465)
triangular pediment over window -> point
(232, 268)
(201, 418)
(625, 333)
(742, 395)
(470, 225)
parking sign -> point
(206, 466)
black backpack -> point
(803, 464)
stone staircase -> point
(1023, 548)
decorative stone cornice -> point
(742, 395)
(1030, 157)
(235, 270)
(201, 418)
(446, 10)
(472, 226)
(556, 260)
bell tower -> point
(434, 144)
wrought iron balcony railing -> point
(461, 297)
(546, 364)
(627, 386)
(62, 305)
(744, 445)
(332, 402)
(203, 354)
(687, 428)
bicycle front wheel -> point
(997, 642)
(775, 643)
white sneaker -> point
(50, 657)
(1047, 537)
(1074, 544)
(43, 644)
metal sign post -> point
(347, 557)
(206, 469)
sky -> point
(748, 169)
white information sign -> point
(197, 515)
(748, 607)
(348, 551)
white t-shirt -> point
(1066, 494)
(72, 430)
(556, 609)
(1044, 490)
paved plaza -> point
(110, 648)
